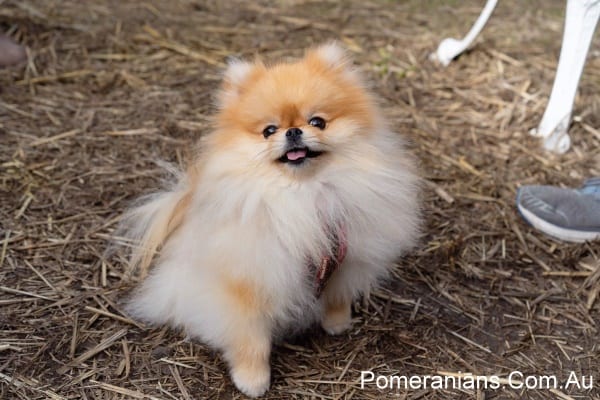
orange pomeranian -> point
(300, 199)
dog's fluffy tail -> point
(148, 225)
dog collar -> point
(331, 262)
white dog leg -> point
(580, 23)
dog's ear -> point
(331, 55)
(237, 74)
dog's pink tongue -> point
(295, 154)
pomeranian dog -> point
(299, 200)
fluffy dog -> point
(300, 199)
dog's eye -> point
(269, 130)
(317, 122)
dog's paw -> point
(253, 382)
(336, 321)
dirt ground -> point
(111, 87)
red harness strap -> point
(330, 263)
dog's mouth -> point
(297, 155)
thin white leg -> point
(580, 23)
(450, 48)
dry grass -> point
(113, 86)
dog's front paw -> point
(337, 319)
(252, 381)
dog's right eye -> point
(269, 130)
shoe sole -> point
(568, 235)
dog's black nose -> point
(293, 133)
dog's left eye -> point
(317, 122)
(269, 130)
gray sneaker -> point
(572, 215)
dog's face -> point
(294, 117)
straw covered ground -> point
(111, 87)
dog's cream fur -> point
(236, 235)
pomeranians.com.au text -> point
(445, 380)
